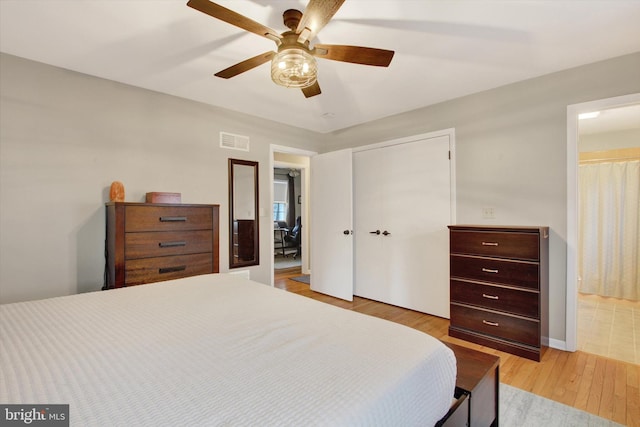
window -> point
(280, 196)
(279, 211)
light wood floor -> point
(596, 384)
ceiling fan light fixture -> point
(294, 68)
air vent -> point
(234, 142)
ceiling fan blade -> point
(233, 18)
(317, 14)
(246, 65)
(312, 90)
(354, 54)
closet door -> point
(332, 224)
(370, 263)
(404, 191)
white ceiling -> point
(612, 120)
(444, 49)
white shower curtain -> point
(609, 229)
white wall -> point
(65, 136)
(511, 145)
(627, 138)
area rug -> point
(280, 263)
(305, 278)
(519, 408)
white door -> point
(404, 191)
(332, 219)
(369, 257)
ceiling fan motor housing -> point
(291, 18)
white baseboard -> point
(554, 343)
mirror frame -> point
(233, 263)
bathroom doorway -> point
(608, 235)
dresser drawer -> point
(524, 303)
(164, 243)
(496, 324)
(516, 273)
(167, 218)
(148, 270)
(496, 244)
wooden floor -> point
(599, 385)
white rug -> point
(519, 408)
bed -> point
(219, 349)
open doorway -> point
(609, 196)
(291, 161)
(287, 215)
(595, 322)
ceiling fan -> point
(294, 65)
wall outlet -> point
(488, 213)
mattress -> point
(219, 350)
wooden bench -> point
(476, 392)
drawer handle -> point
(172, 244)
(491, 296)
(172, 269)
(489, 243)
(487, 270)
(173, 219)
(486, 322)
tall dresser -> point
(499, 286)
(243, 241)
(154, 242)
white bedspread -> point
(219, 350)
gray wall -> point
(65, 136)
(511, 151)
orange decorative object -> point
(116, 194)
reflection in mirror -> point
(243, 218)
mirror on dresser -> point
(243, 219)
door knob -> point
(386, 233)
(346, 232)
(375, 232)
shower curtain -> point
(609, 229)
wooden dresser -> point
(499, 287)
(153, 242)
(242, 241)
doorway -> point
(609, 193)
(290, 158)
(287, 215)
(589, 315)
